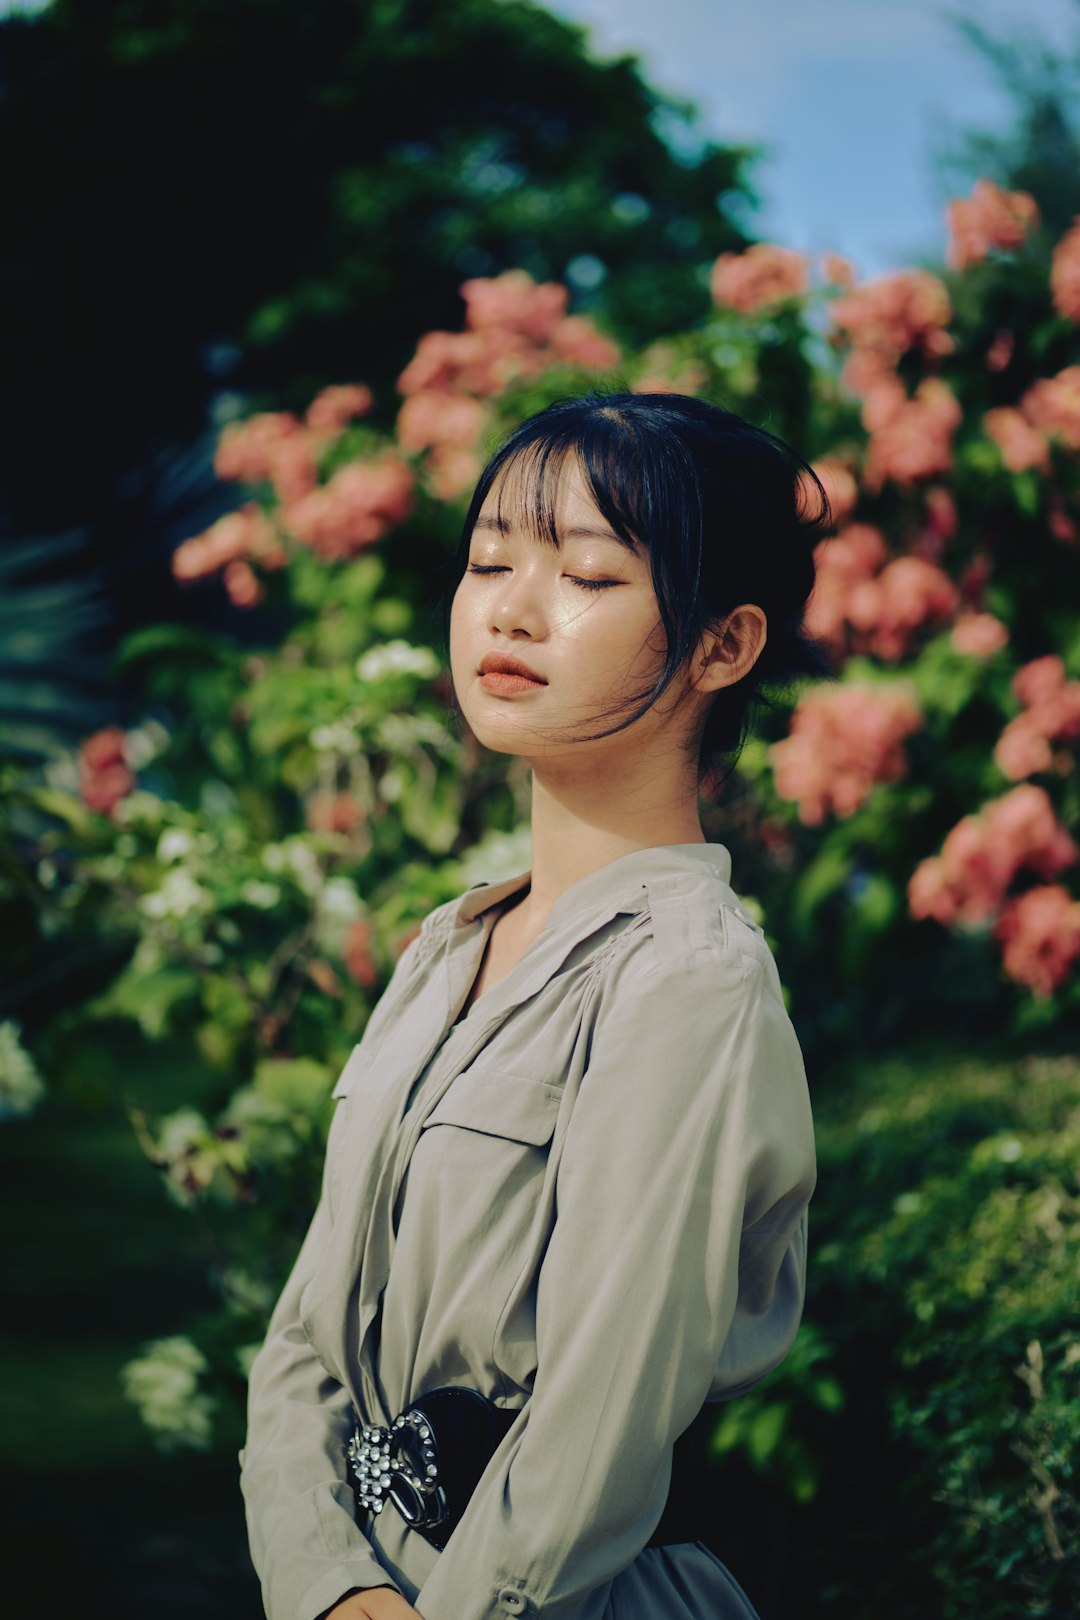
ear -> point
(724, 656)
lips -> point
(500, 664)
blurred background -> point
(276, 279)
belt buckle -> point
(399, 1464)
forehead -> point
(544, 492)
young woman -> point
(573, 1152)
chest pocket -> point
(498, 1103)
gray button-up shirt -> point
(607, 1163)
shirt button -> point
(513, 1601)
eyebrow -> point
(501, 526)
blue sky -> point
(848, 95)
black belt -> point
(429, 1459)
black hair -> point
(727, 512)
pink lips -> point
(505, 683)
(501, 673)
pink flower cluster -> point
(979, 635)
(982, 855)
(226, 547)
(1021, 445)
(516, 329)
(276, 447)
(863, 602)
(1065, 273)
(1050, 714)
(357, 506)
(758, 278)
(883, 319)
(843, 740)
(1039, 932)
(990, 218)
(354, 508)
(104, 775)
(1053, 406)
(910, 439)
(968, 883)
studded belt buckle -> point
(399, 1464)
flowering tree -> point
(257, 853)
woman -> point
(573, 1153)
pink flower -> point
(915, 442)
(1059, 522)
(1039, 931)
(359, 962)
(979, 635)
(244, 533)
(452, 469)
(887, 317)
(838, 272)
(331, 411)
(434, 417)
(856, 553)
(760, 277)
(908, 595)
(576, 340)
(1021, 445)
(941, 517)
(990, 218)
(853, 555)
(104, 776)
(242, 583)
(334, 813)
(982, 855)
(1000, 351)
(1065, 273)
(843, 740)
(514, 302)
(1051, 714)
(1053, 405)
(354, 508)
(245, 450)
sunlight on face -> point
(583, 618)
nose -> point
(518, 605)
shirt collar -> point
(616, 886)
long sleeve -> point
(674, 1272)
(305, 1544)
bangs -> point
(527, 477)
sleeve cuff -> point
(334, 1583)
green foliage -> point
(946, 1228)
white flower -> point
(336, 907)
(174, 844)
(263, 895)
(396, 658)
(341, 737)
(21, 1085)
(178, 895)
(163, 1384)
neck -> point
(577, 832)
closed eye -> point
(586, 584)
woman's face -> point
(584, 619)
